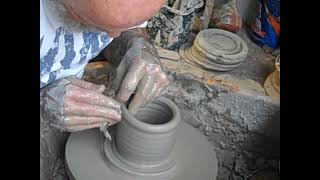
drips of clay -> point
(155, 144)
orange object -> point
(227, 17)
(275, 24)
(211, 81)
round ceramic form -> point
(152, 145)
(221, 43)
(272, 83)
(144, 142)
(215, 49)
(191, 57)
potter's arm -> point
(119, 46)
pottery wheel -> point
(86, 160)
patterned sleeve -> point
(65, 53)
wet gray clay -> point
(152, 145)
(147, 139)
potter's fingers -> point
(91, 97)
(130, 82)
(120, 74)
(156, 71)
(161, 83)
(150, 89)
(153, 92)
(82, 120)
(158, 89)
(87, 85)
(89, 110)
(76, 128)
(143, 89)
(163, 79)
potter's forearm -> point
(136, 34)
(137, 37)
(130, 34)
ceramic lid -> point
(221, 43)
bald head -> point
(113, 16)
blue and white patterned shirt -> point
(65, 45)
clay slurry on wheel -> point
(153, 145)
(215, 49)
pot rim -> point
(154, 128)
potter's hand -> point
(139, 73)
(72, 104)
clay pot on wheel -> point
(153, 144)
(145, 141)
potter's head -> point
(113, 16)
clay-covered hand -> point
(71, 104)
(139, 73)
